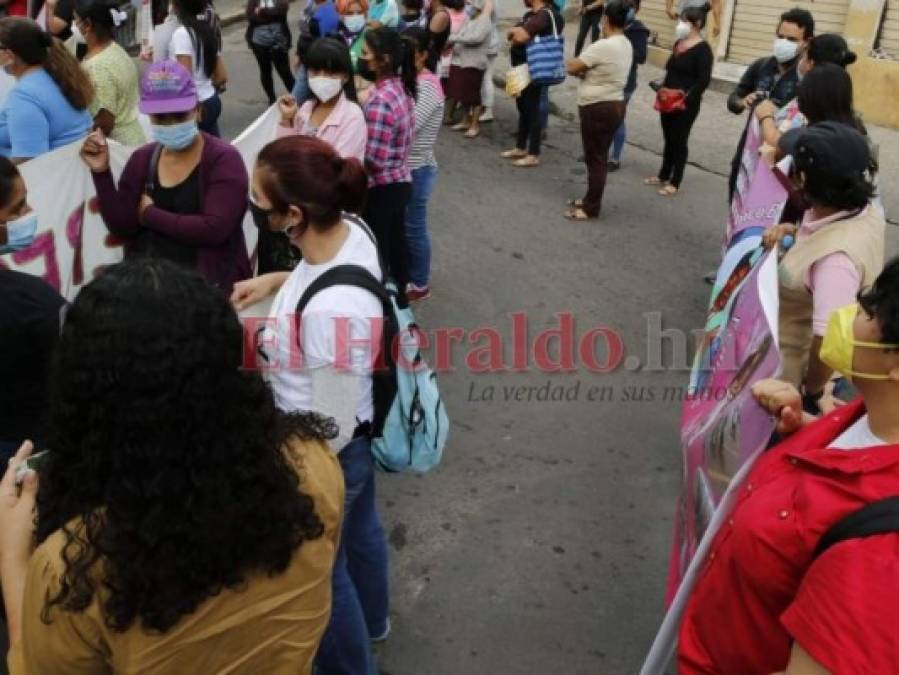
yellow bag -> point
(517, 79)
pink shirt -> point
(834, 280)
(344, 128)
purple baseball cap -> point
(167, 87)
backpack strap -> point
(346, 275)
(880, 517)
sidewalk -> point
(715, 134)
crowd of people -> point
(231, 520)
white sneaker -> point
(487, 115)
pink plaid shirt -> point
(390, 117)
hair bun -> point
(849, 59)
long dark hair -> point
(825, 95)
(399, 52)
(8, 176)
(25, 38)
(202, 33)
(168, 473)
(332, 55)
(99, 13)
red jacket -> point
(761, 590)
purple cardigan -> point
(217, 232)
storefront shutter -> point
(888, 42)
(652, 13)
(755, 23)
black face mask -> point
(260, 216)
(365, 71)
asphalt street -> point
(540, 545)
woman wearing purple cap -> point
(182, 197)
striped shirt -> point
(428, 119)
(390, 117)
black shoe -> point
(614, 165)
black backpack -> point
(880, 517)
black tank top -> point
(183, 198)
(438, 42)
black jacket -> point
(764, 75)
(638, 34)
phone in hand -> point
(31, 463)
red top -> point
(760, 589)
(17, 7)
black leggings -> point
(385, 214)
(530, 127)
(266, 57)
(589, 24)
(676, 130)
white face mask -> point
(325, 88)
(682, 30)
(354, 22)
(784, 50)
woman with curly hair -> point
(182, 519)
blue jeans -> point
(418, 242)
(212, 109)
(301, 90)
(544, 107)
(621, 134)
(360, 598)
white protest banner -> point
(72, 244)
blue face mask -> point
(20, 233)
(175, 136)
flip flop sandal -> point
(526, 162)
(513, 154)
(576, 203)
(668, 191)
(472, 133)
(459, 127)
(578, 215)
(653, 180)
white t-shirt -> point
(857, 436)
(295, 387)
(608, 64)
(182, 45)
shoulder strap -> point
(150, 181)
(552, 18)
(880, 517)
(345, 275)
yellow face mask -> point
(838, 346)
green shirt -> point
(114, 76)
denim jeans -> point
(360, 598)
(212, 110)
(544, 109)
(418, 242)
(621, 134)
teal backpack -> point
(410, 425)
